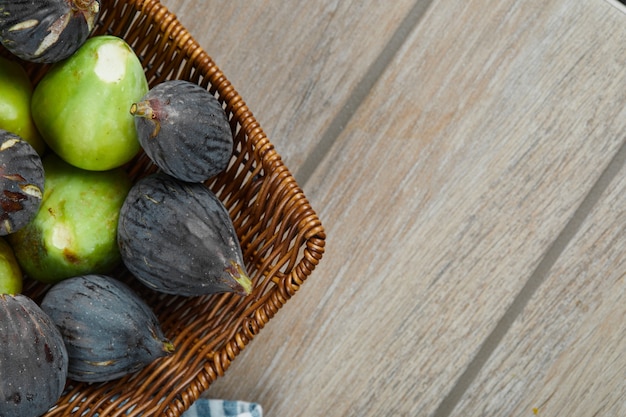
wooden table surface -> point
(467, 159)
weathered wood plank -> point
(440, 198)
(295, 64)
(565, 354)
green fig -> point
(15, 99)
(81, 105)
(74, 231)
(10, 271)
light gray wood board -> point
(440, 199)
(563, 356)
(296, 64)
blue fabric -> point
(223, 408)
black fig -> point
(184, 130)
(46, 31)
(108, 329)
(21, 182)
(33, 358)
(178, 238)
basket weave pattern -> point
(281, 236)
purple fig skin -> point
(22, 183)
(184, 130)
(33, 358)
(108, 329)
(46, 31)
(178, 238)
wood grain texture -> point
(440, 198)
(564, 354)
(294, 64)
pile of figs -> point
(70, 216)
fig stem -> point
(144, 109)
(168, 346)
(83, 4)
(240, 276)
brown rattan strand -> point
(282, 237)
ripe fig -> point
(46, 31)
(109, 330)
(184, 130)
(21, 181)
(178, 238)
(33, 358)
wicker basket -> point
(281, 236)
